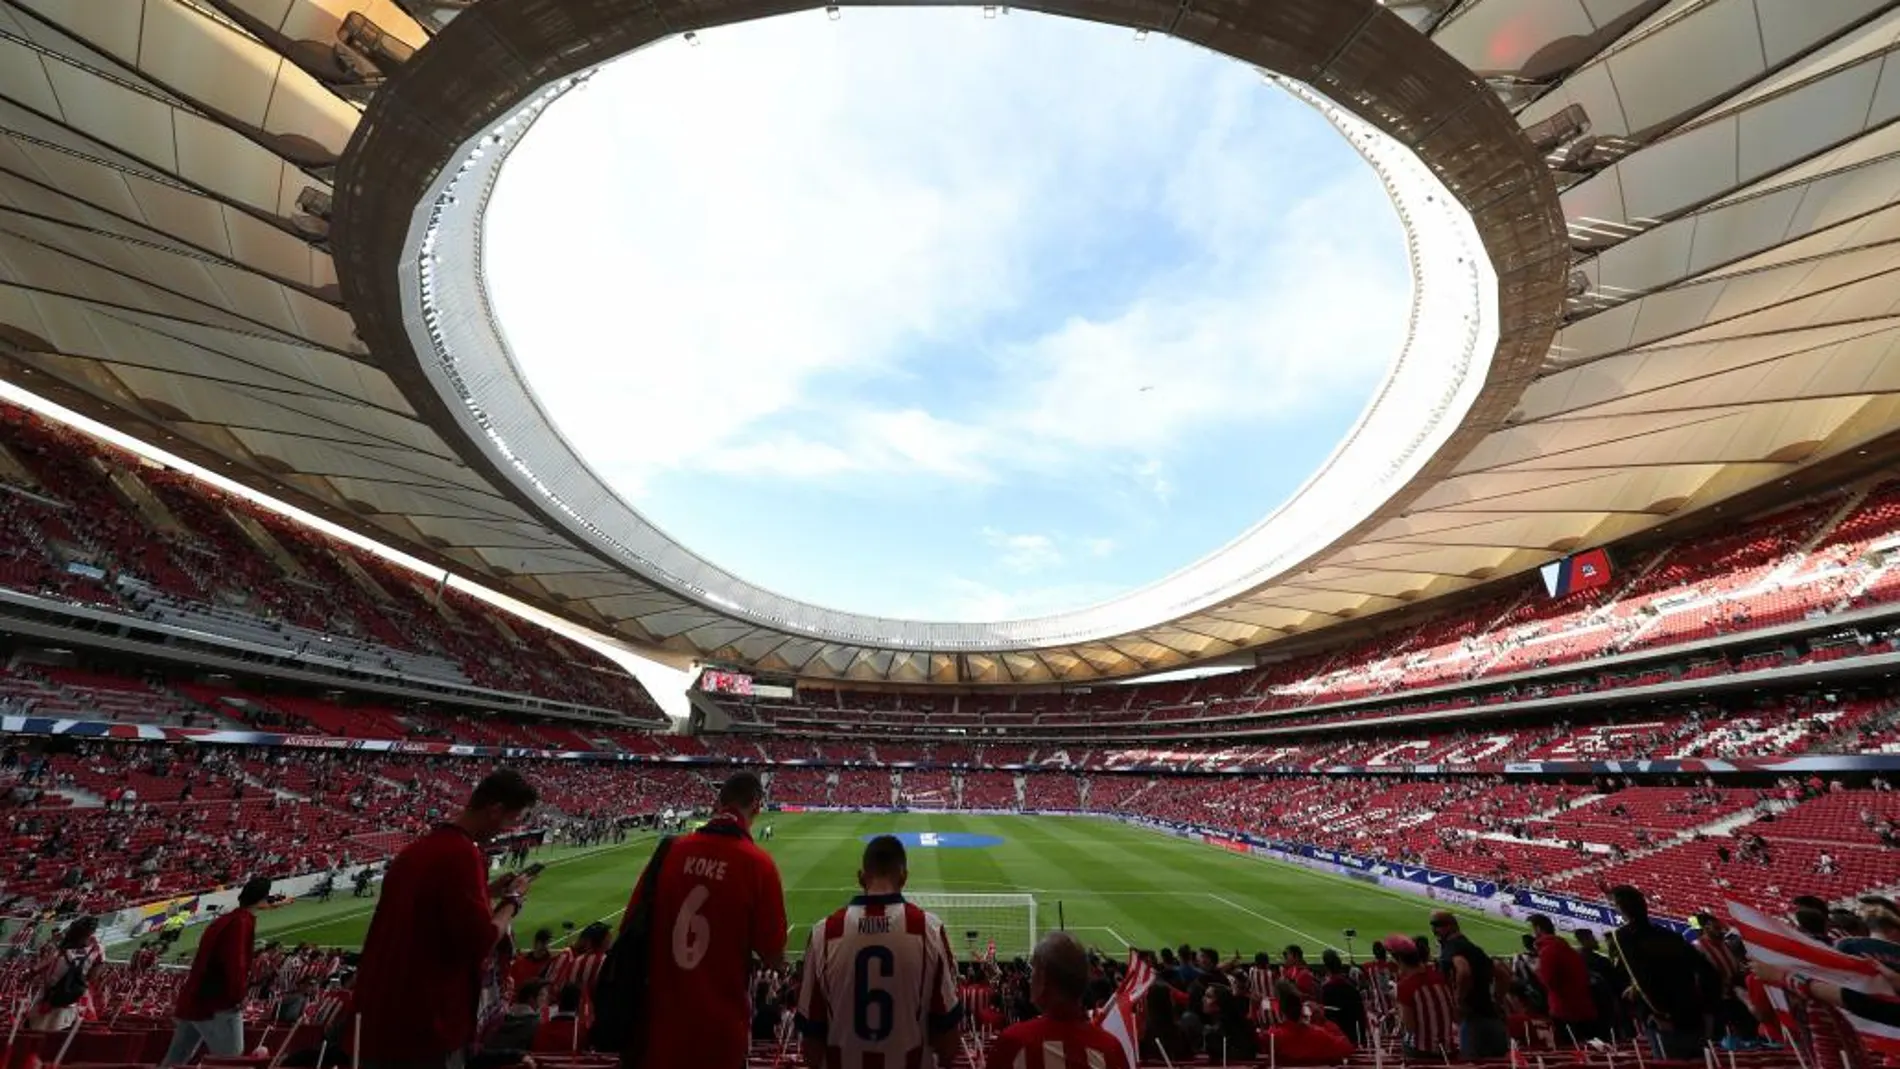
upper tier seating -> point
(179, 552)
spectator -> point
(1672, 986)
(1882, 943)
(1428, 1013)
(1293, 968)
(1230, 1035)
(561, 1033)
(1161, 1033)
(522, 1019)
(921, 1006)
(536, 964)
(1295, 1042)
(1345, 1007)
(434, 933)
(1063, 1035)
(1474, 982)
(1378, 978)
(1565, 978)
(581, 966)
(717, 903)
(210, 1007)
(67, 994)
(292, 1007)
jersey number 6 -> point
(870, 997)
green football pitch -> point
(1113, 885)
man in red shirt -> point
(536, 964)
(1063, 1035)
(1566, 980)
(717, 907)
(434, 934)
(210, 1008)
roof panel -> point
(1763, 319)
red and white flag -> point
(1779, 943)
(1121, 1017)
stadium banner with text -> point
(1599, 915)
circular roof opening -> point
(1451, 336)
(926, 315)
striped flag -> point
(1777, 942)
(1121, 1018)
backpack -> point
(620, 992)
(69, 987)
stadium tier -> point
(86, 523)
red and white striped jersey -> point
(879, 982)
(1434, 1017)
(575, 968)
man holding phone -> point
(434, 933)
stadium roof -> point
(1719, 317)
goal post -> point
(973, 922)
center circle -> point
(923, 315)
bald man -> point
(1063, 1035)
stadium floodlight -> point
(975, 922)
(989, 11)
(834, 13)
(360, 40)
(1559, 130)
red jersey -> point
(431, 939)
(717, 902)
(1434, 1015)
(221, 970)
(1057, 1042)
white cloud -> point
(1098, 547)
(1023, 553)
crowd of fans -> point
(697, 974)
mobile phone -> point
(534, 869)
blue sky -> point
(929, 315)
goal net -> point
(974, 922)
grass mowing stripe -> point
(1119, 884)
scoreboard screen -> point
(1574, 574)
(716, 681)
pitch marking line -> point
(1230, 903)
(1099, 928)
(1465, 912)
